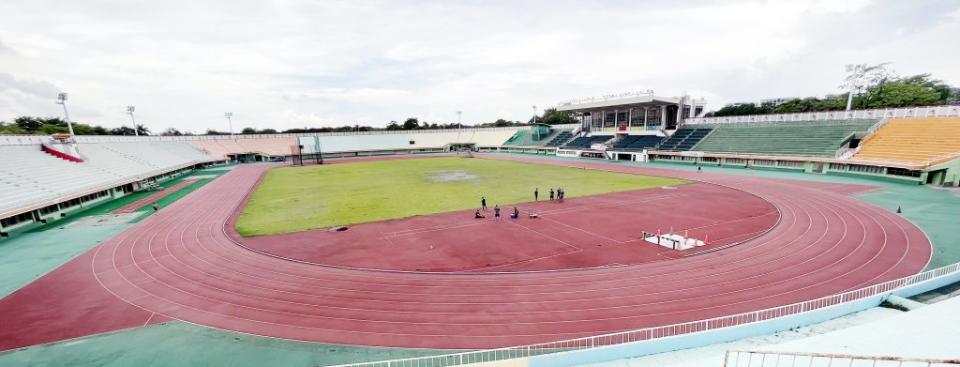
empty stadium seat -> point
(685, 138)
(584, 142)
(560, 138)
(637, 142)
(527, 138)
(913, 140)
(801, 138)
(29, 176)
(268, 146)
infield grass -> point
(293, 199)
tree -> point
(248, 130)
(268, 131)
(872, 87)
(8, 128)
(918, 90)
(393, 125)
(171, 132)
(28, 124)
(215, 132)
(553, 117)
(143, 130)
(862, 76)
(122, 130)
(411, 124)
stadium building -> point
(753, 239)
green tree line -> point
(51, 125)
(882, 92)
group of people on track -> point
(554, 195)
(558, 194)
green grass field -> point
(293, 199)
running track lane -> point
(180, 264)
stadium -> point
(676, 227)
(307, 241)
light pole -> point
(130, 110)
(229, 116)
(850, 69)
(62, 100)
(459, 125)
(535, 122)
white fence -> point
(932, 111)
(652, 333)
(739, 358)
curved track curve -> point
(180, 264)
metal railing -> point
(652, 333)
(743, 358)
(927, 111)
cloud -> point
(286, 64)
(5, 50)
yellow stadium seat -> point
(913, 140)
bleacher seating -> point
(560, 138)
(812, 139)
(420, 140)
(685, 138)
(28, 175)
(269, 146)
(527, 138)
(584, 142)
(637, 142)
(913, 140)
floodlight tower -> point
(229, 116)
(459, 125)
(535, 122)
(136, 130)
(850, 68)
(62, 100)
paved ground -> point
(178, 344)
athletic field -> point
(293, 199)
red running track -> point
(180, 264)
(593, 231)
(132, 207)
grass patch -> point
(293, 199)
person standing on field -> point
(551, 194)
(483, 202)
(496, 211)
(536, 194)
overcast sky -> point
(284, 64)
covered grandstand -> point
(37, 186)
(640, 112)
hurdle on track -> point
(673, 241)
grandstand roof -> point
(648, 100)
